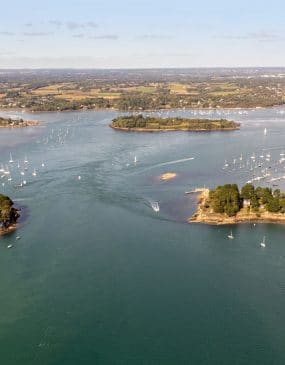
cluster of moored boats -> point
(16, 173)
(262, 166)
(56, 136)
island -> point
(8, 215)
(139, 123)
(16, 123)
(228, 205)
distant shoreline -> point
(112, 109)
(17, 123)
(146, 130)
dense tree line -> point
(141, 122)
(229, 200)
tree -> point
(264, 194)
(247, 191)
(277, 193)
(254, 203)
(8, 214)
(273, 205)
(225, 199)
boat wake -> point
(154, 205)
(167, 163)
(174, 162)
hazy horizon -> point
(140, 34)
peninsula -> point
(16, 123)
(228, 205)
(8, 215)
(139, 123)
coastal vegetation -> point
(135, 90)
(141, 123)
(15, 123)
(8, 214)
(227, 204)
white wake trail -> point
(173, 162)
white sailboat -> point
(34, 173)
(265, 131)
(11, 158)
(231, 236)
(135, 160)
(263, 244)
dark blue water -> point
(98, 277)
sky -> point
(142, 33)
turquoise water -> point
(98, 277)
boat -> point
(7, 172)
(10, 246)
(34, 173)
(135, 159)
(11, 158)
(155, 206)
(265, 131)
(262, 244)
(230, 236)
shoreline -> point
(24, 124)
(146, 130)
(26, 110)
(10, 229)
(204, 216)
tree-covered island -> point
(16, 123)
(8, 214)
(228, 205)
(155, 124)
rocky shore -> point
(17, 123)
(205, 215)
